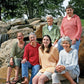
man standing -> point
(30, 59)
(51, 29)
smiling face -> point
(20, 36)
(46, 41)
(69, 12)
(66, 45)
(49, 20)
(32, 38)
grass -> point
(82, 21)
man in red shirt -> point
(30, 59)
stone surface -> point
(13, 33)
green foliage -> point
(82, 22)
(33, 8)
(78, 6)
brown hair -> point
(49, 46)
(69, 6)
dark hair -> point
(69, 6)
(49, 46)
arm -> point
(62, 29)
(57, 35)
(79, 28)
(55, 54)
(13, 51)
(25, 56)
(74, 61)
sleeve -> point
(13, 50)
(79, 28)
(61, 29)
(40, 57)
(60, 59)
(26, 53)
(55, 54)
(74, 62)
(57, 33)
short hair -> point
(32, 33)
(66, 38)
(49, 16)
(20, 33)
(69, 6)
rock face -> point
(5, 51)
(81, 57)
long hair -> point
(49, 46)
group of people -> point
(55, 58)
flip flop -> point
(14, 81)
(8, 82)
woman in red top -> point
(71, 27)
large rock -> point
(81, 57)
(5, 51)
(18, 21)
(25, 31)
(4, 27)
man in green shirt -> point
(51, 29)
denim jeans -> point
(26, 66)
(75, 46)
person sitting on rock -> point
(48, 58)
(67, 66)
(30, 59)
(16, 57)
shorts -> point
(48, 74)
(17, 62)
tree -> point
(78, 6)
(33, 8)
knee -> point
(54, 75)
(34, 80)
(41, 79)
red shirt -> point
(31, 54)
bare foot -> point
(73, 82)
(24, 82)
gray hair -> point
(49, 16)
(32, 33)
(66, 38)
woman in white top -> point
(67, 66)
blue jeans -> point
(75, 46)
(26, 66)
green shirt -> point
(16, 51)
(54, 33)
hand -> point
(60, 68)
(23, 61)
(11, 61)
(73, 41)
(55, 42)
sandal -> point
(8, 82)
(14, 81)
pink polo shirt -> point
(72, 27)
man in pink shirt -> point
(71, 27)
(30, 59)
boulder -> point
(81, 57)
(13, 33)
(5, 51)
(18, 21)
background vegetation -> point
(37, 8)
